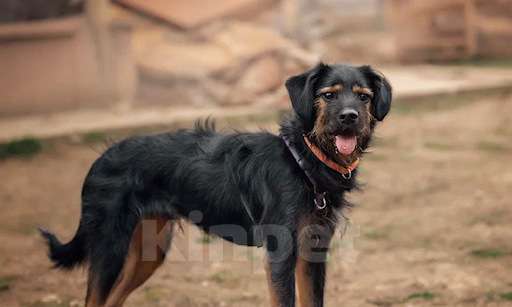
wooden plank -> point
(58, 27)
(470, 16)
(433, 7)
(193, 13)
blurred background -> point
(431, 227)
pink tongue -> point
(346, 145)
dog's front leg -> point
(311, 265)
(310, 283)
(281, 261)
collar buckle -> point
(320, 201)
(348, 175)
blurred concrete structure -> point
(219, 52)
(451, 29)
(205, 51)
(194, 13)
(65, 63)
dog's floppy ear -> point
(383, 93)
(300, 89)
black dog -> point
(283, 192)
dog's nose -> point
(349, 116)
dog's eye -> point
(329, 95)
(364, 97)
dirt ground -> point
(431, 227)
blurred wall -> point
(57, 64)
(438, 30)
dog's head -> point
(339, 106)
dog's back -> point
(167, 175)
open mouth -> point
(345, 145)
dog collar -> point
(320, 198)
(346, 172)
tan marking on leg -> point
(304, 283)
(137, 270)
(274, 298)
(302, 278)
(92, 298)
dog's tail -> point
(69, 255)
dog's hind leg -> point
(149, 244)
(93, 298)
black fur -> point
(381, 103)
(174, 174)
(302, 93)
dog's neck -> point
(327, 178)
